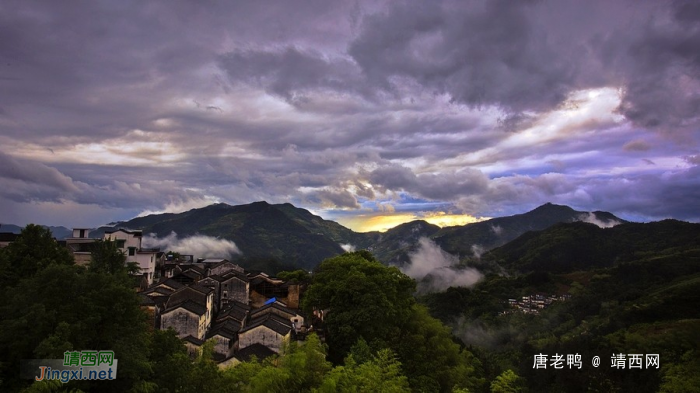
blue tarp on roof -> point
(274, 299)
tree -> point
(508, 382)
(107, 258)
(296, 276)
(34, 250)
(366, 299)
(69, 308)
(380, 374)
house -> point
(189, 311)
(223, 267)
(6, 238)
(280, 310)
(80, 246)
(257, 351)
(269, 330)
(187, 319)
(234, 311)
(225, 336)
(213, 282)
(129, 242)
(234, 286)
(193, 345)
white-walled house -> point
(129, 242)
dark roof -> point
(271, 321)
(194, 268)
(235, 310)
(136, 232)
(202, 288)
(148, 251)
(234, 274)
(258, 350)
(174, 284)
(188, 305)
(214, 277)
(158, 291)
(146, 300)
(268, 306)
(195, 293)
(193, 340)
(228, 329)
(8, 236)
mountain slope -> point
(394, 246)
(579, 246)
(492, 233)
(260, 230)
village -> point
(533, 303)
(246, 313)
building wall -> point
(263, 335)
(130, 240)
(82, 258)
(147, 263)
(222, 345)
(184, 322)
(234, 289)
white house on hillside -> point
(129, 242)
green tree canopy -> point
(365, 298)
(34, 250)
(107, 258)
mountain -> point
(569, 247)
(297, 238)
(59, 233)
(260, 230)
(396, 244)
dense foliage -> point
(371, 303)
(635, 289)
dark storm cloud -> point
(427, 185)
(130, 106)
(22, 180)
(292, 72)
(528, 56)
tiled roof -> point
(277, 306)
(271, 321)
(8, 236)
(234, 274)
(258, 350)
(188, 305)
(193, 340)
(136, 232)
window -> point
(121, 243)
(132, 251)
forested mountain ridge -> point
(633, 289)
(565, 248)
(297, 238)
(300, 238)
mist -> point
(436, 270)
(348, 247)
(592, 219)
(199, 246)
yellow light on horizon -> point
(384, 222)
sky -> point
(369, 113)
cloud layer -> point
(199, 246)
(480, 108)
(436, 270)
